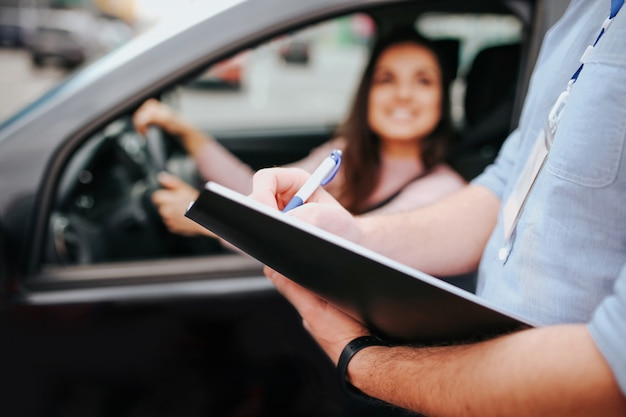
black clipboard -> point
(396, 302)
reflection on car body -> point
(104, 309)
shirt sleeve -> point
(496, 175)
(608, 329)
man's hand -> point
(275, 187)
(331, 328)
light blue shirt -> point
(569, 247)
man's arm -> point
(445, 238)
(551, 371)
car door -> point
(102, 218)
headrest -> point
(491, 80)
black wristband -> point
(350, 350)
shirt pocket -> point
(587, 149)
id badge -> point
(515, 203)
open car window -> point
(303, 79)
(269, 104)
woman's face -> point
(405, 95)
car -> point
(56, 44)
(228, 73)
(295, 51)
(70, 37)
(15, 25)
(103, 311)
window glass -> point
(302, 79)
(103, 211)
(475, 32)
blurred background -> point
(42, 41)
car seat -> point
(491, 84)
(448, 49)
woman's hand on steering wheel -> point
(172, 202)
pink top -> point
(218, 164)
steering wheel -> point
(156, 161)
(104, 208)
(156, 150)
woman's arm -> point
(444, 238)
(154, 113)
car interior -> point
(280, 111)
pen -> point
(321, 176)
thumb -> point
(169, 181)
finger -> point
(142, 117)
(153, 112)
(275, 186)
(158, 197)
(169, 181)
(164, 197)
(181, 226)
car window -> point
(302, 79)
(476, 32)
(268, 104)
(299, 82)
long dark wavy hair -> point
(361, 156)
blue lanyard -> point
(513, 206)
(616, 5)
(555, 114)
(516, 201)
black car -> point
(106, 313)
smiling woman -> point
(402, 72)
(395, 139)
(399, 130)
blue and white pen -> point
(321, 176)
